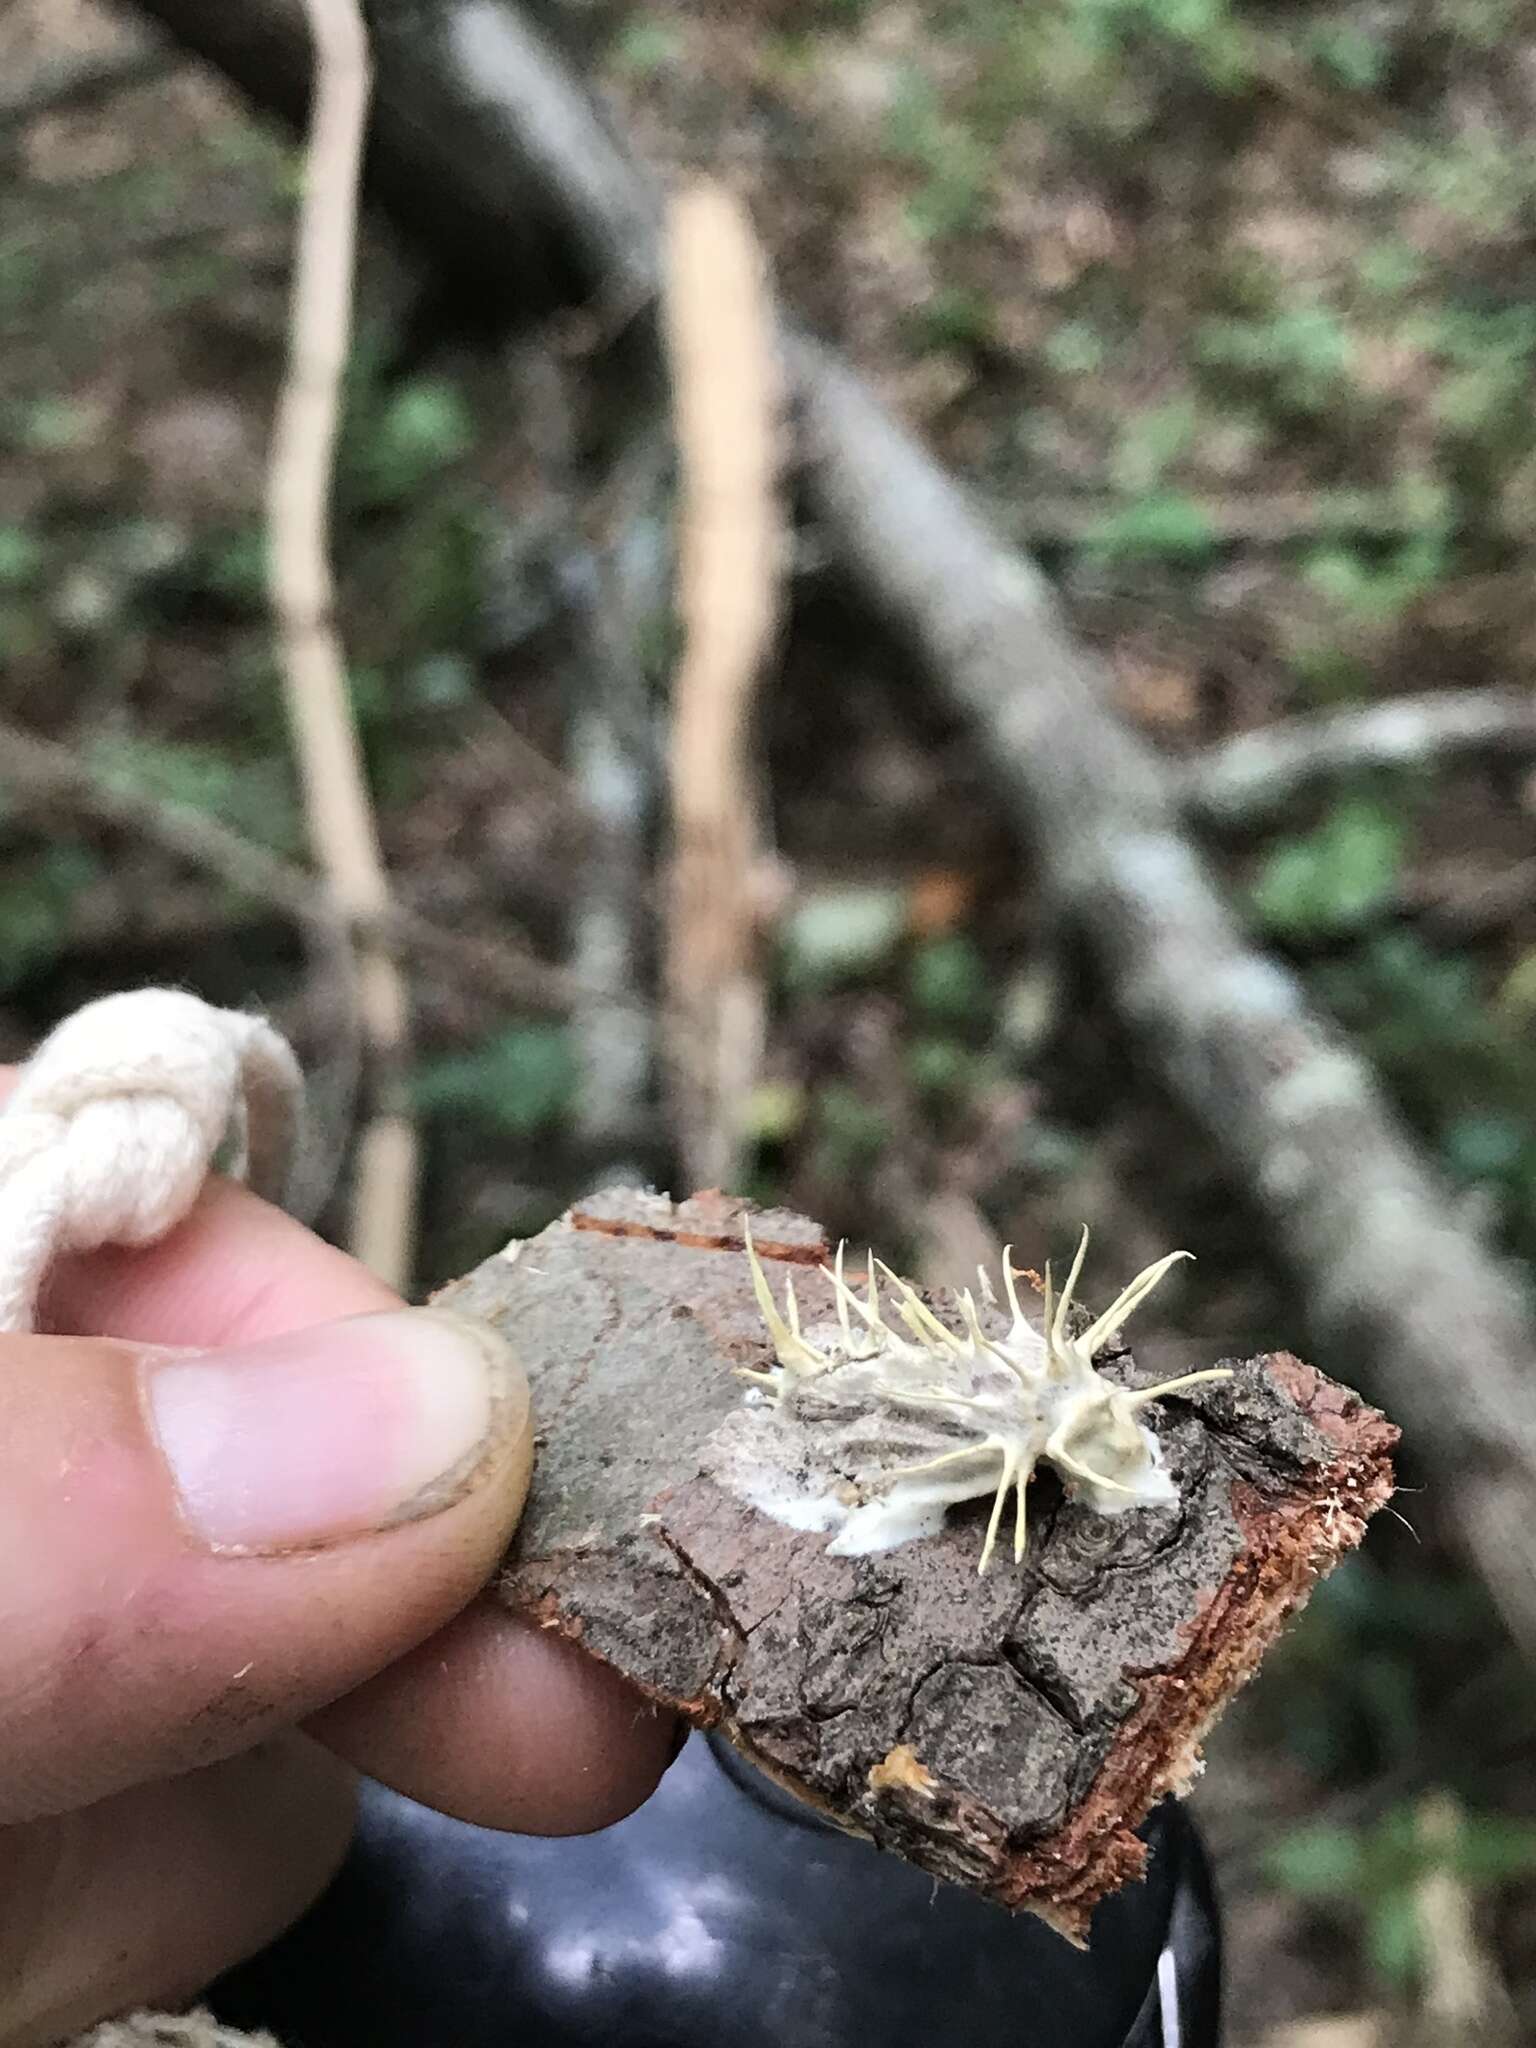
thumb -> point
(196, 1548)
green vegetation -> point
(1338, 878)
(1378, 1874)
(35, 905)
(516, 1083)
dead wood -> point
(327, 746)
(1007, 1732)
(471, 100)
(719, 326)
(1258, 775)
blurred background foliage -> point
(1230, 310)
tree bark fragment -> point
(1008, 1733)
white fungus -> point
(872, 1433)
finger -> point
(235, 1271)
(198, 1548)
(145, 1897)
(239, 1270)
(505, 1725)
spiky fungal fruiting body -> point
(874, 1432)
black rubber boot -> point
(722, 1915)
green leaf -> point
(443, 682)
(938, 1065)
(421, 429)
(1492, 1850)
(236, 567)
(1355, 57)
(53, 424)
(954, 318)
(1164, 523)
(851, 1133)
(1152, 439)
(948, 981)
(251, 792)
(775, 1111)
(36, 902)
(643, 48)
(1075, 348)
(840, 935)
(1483, 1145)
(1049, 1151)
(1319, 1862)
(518, 1082)
(1336, 879)
(1392, 1937)
(21, 558)
(1304, 354)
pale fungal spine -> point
(1016, 1400)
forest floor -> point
(1230, 315)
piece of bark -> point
(480, 136)
(1007, 1732)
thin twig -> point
(340, 812)
(67, 83)
(725, 378)
(1391, 1276)
(1257, 775)
(1252, 519)
(41, 771)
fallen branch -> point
(719, 326)
(1364, 1222)
(1366, 1226)
(473, 121)
(1260, 774)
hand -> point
(241, 1541)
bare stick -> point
(720, 340)
(1256, 775)
(341, 819)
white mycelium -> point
(873, 1434)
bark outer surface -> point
(1008, 1733)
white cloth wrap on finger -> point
(117, 1119)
